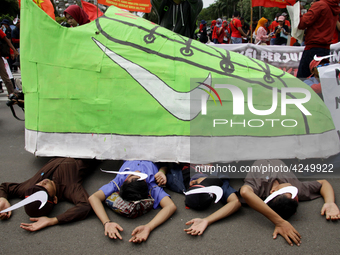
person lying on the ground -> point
(61, 179)
(178, 180)
(130, 189)
(259, 186)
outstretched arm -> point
(39, 223)
(4, 204)
(282, 227)
(10, 190)
(199, 225)
(329, 208)
(111, 228)
(141, 233)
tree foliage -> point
(226, 8)
(9, 7)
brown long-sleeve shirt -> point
(68, 176)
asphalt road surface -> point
(245, 232)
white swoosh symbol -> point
(321, 58)
(211, 189)
(290, 189)
(37, 196)
(142, 176)
(183, 105)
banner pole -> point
(260, 9)
(251, 21)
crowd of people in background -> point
(237, 30)
(263, 31)
(321, 25)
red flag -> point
(273, 3)
(131, 5)
(91, 10)
(46, 6)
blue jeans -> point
(272, 41)
(307, 57)
(236, 40)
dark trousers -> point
(307, 57)
(10, 63)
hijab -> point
(261, 23)
(78, 14)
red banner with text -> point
(131, 5)
(273, 3)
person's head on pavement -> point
(47, 186)
(201, 201)
(133, 189)
(283, 204)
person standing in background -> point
(319, 22)
(236, 29)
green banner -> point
(123, 76)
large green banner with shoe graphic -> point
(122, 87)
